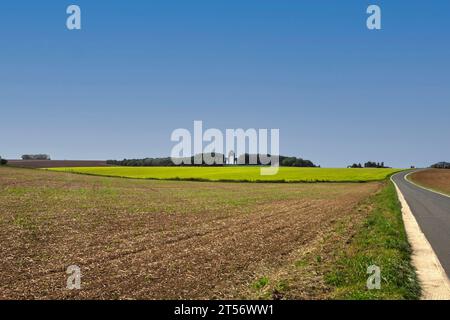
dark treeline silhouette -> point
(214, 160)
(147, 162)
(3, 161)
(284, 161)
(368, 164)
(296, 162)
(441, 165)
(36, 157)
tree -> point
(3, 161)
(371, 164)
(288, 162)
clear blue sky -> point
(137, 70)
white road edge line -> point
(432, 277)
(419, 186)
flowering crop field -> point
(237, 173)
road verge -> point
(432, 277)
(380, 243)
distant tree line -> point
(441, 165)
(36, 157)
(147, 162)
(296, 162)
(284, 161)
(368, 164)
(218, 159)
(3, 161)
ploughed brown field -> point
(171, 239)
(436, 179)
(56, 163)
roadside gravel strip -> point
(432, 276)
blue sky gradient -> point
(137, 70)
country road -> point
(432, 212)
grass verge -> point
(382, 242)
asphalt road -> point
(432, 212)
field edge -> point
(412, 178)
(382, 242)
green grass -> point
(261, 283)
(238, 173)
(382, 241)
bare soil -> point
(436, 179)
(139, 239)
